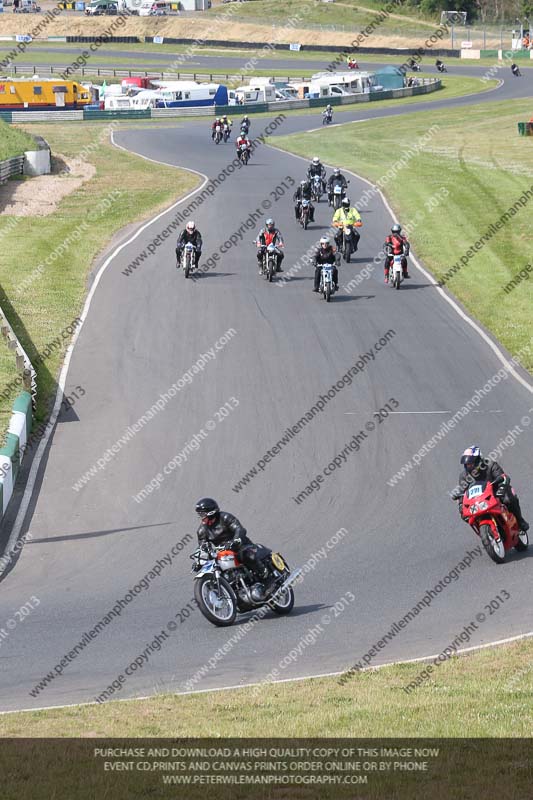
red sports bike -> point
(492, 521)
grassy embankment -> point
(483, 174)
(453, 702)
(13, 142)
(56, 294)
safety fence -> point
(11, 167)
(91, 114)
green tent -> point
(389, 78)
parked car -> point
(99, 7)
(27, 7)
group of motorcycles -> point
(222, 133)
(414, 66)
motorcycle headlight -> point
(482, 505)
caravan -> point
(183, 94)
(258, 90)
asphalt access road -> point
(143, 332)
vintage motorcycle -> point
(224, 587)
(269, 263)
(187, 259)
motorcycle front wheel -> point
(523, 541)
(283, 602)
(216, 600)
(494, 549)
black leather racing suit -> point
(333, 180)
(227, 530)
(195, 238)
(317, 169)
(303, 192)
(325, 256)
(491, 471)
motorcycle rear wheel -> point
(205, 593)
(494, 549)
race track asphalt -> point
(143, 332)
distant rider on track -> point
(190, 234)
(325, 255)
(269, 235)
(316, 168)
(243, 139)
(336, 178)
(396, 244)
(346, 215)
(303, 192)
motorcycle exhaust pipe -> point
(292, 577)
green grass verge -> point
(347, 15)
(483, 174)
(55, 295)
(453, 702)
(13, 142)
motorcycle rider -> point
(396, 244)
(335, 178)
(222, 528)
(515, 70)
(226, 121)
(328, 113)
(193, 235)
(246, 124)
(413, 65)
(477, 468)
(440, 65)
(316, 168)
(325, 255)
(346, 215)
(243, 139)
(269, 235)
(303, 192)
(214, 127)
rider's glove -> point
(500, 491)
(236, 543)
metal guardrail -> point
(24, 365)
(428, 85)
(104, 72)
(203, 111)
(11, 167)
(46, 116)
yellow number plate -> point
(278, 561)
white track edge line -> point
(62, 377)
(485, 646)
(32, 477)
